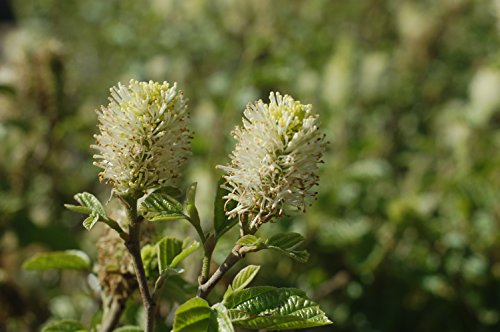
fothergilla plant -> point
(142, 147)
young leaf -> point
(172, 251)
(168, 248)
(60, 260)
(78, 208)
(251, 243)
(221, 223)
(274, 309)
(290, 245)
(90, 221)
(195, 315)
(188, 247)
(64, 326)
(223, 321)
(159, 206)
(244, 277)
(89, 204)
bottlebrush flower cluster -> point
(275, 162)
(144, 141)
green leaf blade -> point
(90, 201)
(289, 244)
(78, 208)
(188, 247)
(168, 248)
(224, 323)
(286, 241)
(193, 316)
(244, 277)
(172, 251)
(89, 204)
(59, 260)
(159, 206)
(274, 308)
(90, 221)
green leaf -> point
(242, 279)
(159, 206)
(61, 260)
(249, 240)
(245, 276)
(223, 320)
(274, 309)
(129, 328)
(194, 316)
(89, 204)
(172, 251)
(90, 221)
(149, 257)
(64, 326)
(221, 223)
(168, 248)
(289, 244)
(78, 208)
(90, 201)
(188, 247)
(251, 243)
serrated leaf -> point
(223, 321)
(286, 241)
(221, 222)
(194, 316)
(274, 309)
(90, 221)
(64, 326)
(128, 328)
(159, 206)
(60, 260)
(88, 200)
(289, 244)
(89, 204)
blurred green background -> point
(405, 233)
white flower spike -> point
(144, 141)
(275, 162)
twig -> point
(134, 248)
(231, 259)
